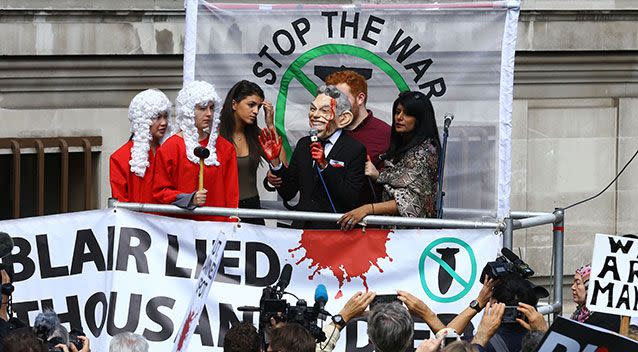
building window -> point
(42, 176)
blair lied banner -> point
(110, 271)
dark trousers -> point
(251, 203)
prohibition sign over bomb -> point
(345, 25)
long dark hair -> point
(240, 91)
(418, 105)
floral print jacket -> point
(412, 181)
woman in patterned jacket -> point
(410, 177)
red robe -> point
(125, 185)
(175, 174)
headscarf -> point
(582, 313)
(145, 106)
(197, 93)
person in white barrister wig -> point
(197, 167)
(131, 166)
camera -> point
(511, 313)
(384, 299)
(507, 263)
(54, 342)
(73, 338)
(272, 305)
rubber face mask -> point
(322, 116)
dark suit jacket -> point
(344, 177)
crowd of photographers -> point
(391, 318)
(508, 300)
(48, 334)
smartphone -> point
(510, 314)
(384, 299)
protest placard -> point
(567, 335)
(613, 284)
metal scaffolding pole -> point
(558, 243)
(303, 215)
(517, 220)
(508, 233)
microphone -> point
(248, 309)
(447, 120)
(313, 135)
(321, 298)
(519, 264)
(6, 244)
(45, 323)
(284, 279)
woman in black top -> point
(238, 124)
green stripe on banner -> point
(448, 269)
(294, 71)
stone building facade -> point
(70, 68)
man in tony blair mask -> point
(327, 167)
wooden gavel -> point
(202, 153)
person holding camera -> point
(493, 318)
(390, 327)
(503, 327)
(419, 308)
(462, 319)
(354, 308)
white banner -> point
(613, 283)
(113, 270)
(460, 54)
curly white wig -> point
(193, 94)
(144, 107)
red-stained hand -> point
(317, 153)
(270, 143)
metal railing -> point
(517, 220)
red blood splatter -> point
(187, 325)
(347, 254)
(333, 108)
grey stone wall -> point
(71, 67)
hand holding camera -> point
(533, 321)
